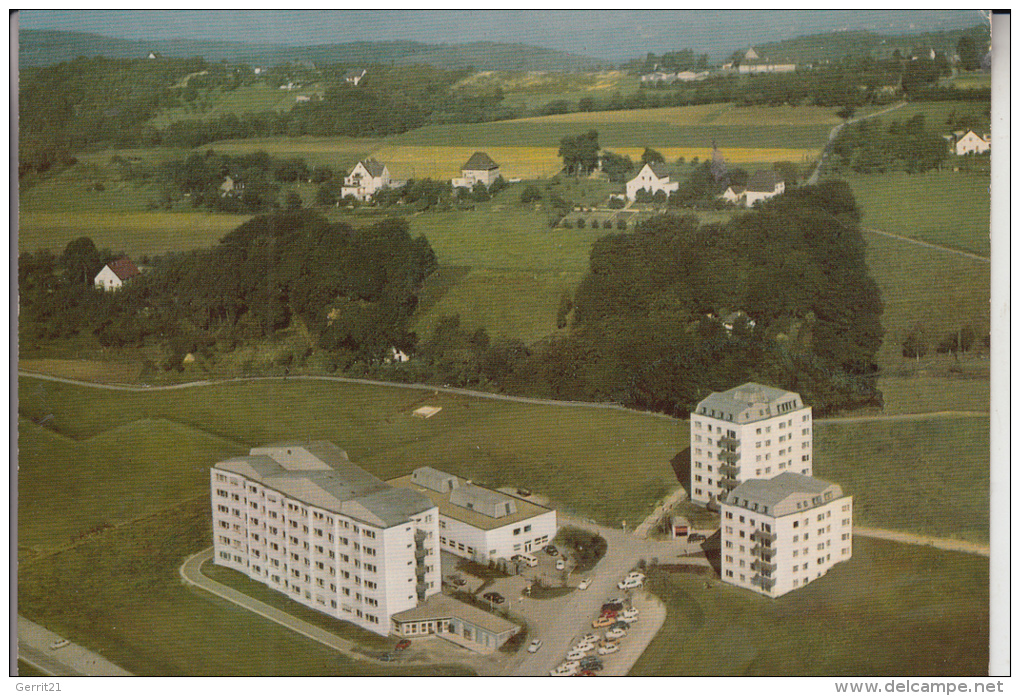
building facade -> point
(479, 169)
(367, 177)
(749, 432)
(653, 177)
(971, 143)
(763, 185)
(780, 534)
(305, 521)
(114, 274)
(478, 523)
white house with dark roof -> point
(302, 519)
(355, 76)
(781, 534)
(479, 523)
(749, 432)
(971, 143)
(653, 177)
(367, 177)
(764, 184)
(480, 168)
(114, 274)
(734, 194)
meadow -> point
(247, 99)
(942, 207)
(891, 610)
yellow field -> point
(702, 114)
(135, 233)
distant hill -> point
(39, 48)
(835, 45)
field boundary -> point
(929, 245)
(919, 540)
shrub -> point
(616, 203)
(530, 194)
(580, 223)
(621, 224)
(607, 224)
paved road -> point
(646, 525)
(73, 661)
(919, 540)
(813, 179)
(929, 245)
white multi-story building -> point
(653, 177)
(304, 520)
(479, 169)
(367, 177)
(782, 533)
(749, 432)
(479, 523)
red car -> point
(403, 645)
(586, 673)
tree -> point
(530, 194)
(580, 153)
(618, 167)
(915, 345)
(650, 156)
(80, 261)
(970, 57)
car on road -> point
(552, 550)
(608, 648)
(586, 673)
(560, 564)
(620, 624)
(387, 657)
(629, 613)
(535, 646)
(603, 621)
(494, 597)
(631, 584)
(589, 638)
(612, 606)
(591, 662)
(584, 645)
(575, 654)
(626, 620)
(615, 633)
(58, 644)
(635, 575)
(584, 584)
(695, 538)
(457, 581)
(402, 645)
(566, 669)
(617, 600)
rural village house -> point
(353, 77)
(480, 168)
(734, 194)
(116, 273)
(367, 177)
(969, 142)
(764, 184)
(653, 178)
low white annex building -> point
(304, 520)
(762, 185)
(479, 169)
(780, 534)
(734, 194)
(479, 523)
(749, 432)
(971, 143)
(114, 274)
(653, 177)
(367, 177)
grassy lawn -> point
(928, 475)
(247, 99)
(339, 152)
(120, 594)
(891, 610)
(947, 208)
(940, 291)
(926, 393)
(936, 114)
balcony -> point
(729, 457)
(727, 441)
(766, 552)
(763, 536)
(763, 582)
(420, 536)
(729, 470)
(420, 553)
(728, 483)
(763, 567)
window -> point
(527, 528)
(517, 531)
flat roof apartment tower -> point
(749, 432)
(302, 519)
(782, 533)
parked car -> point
(626, 619)
(589, 638)
(612, 606)
(609, 614)
(631, 584)
(584, 646)
(58, 644)
(535, 646)
(552, 550)
(603, 621)
(457, 581)
(560, 564)
(635, 575)
(403, 644)
(695, 538)
(620, 624)
(615, 633)
(608, 648)
(617, 600)
(591, 662)
(575, 655)
(494, 597)
(584, 584)
(628, 614)
(387, 657)
(586, 673)
(566, 669)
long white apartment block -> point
(304, 520)
(478, 523)
(749, 432)
(782, 533)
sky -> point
(609, 34)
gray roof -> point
(764, 181)
(490, 503)
(374, 168)
(783, 494)
(748, 403)
(659, 169)
(320, 474)
(434, 479)
(439, 606)
(480, 162)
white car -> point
(589, 638)
(630, 584)
(58, 644)
(560, 565)
(626, 614)
(627, 619)
(583, 585)
(567, 669)
(534, 647)
(584, 646)
(575, 654)
(615, 633)
(608, 649)
(635, 575)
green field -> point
(531, 90)
(947, 208)
(939, 291)
(928, 475)
(248, 99)
(920, 393)
(936, 114)
(891, 610)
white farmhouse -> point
(653, 178)
(302, 519)
(480, 168)
(749, 432)
(734, 194)
(367, 177)
(972, 143)
(780, 534)
(115, 274)
(479, 523)
(764, 184)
